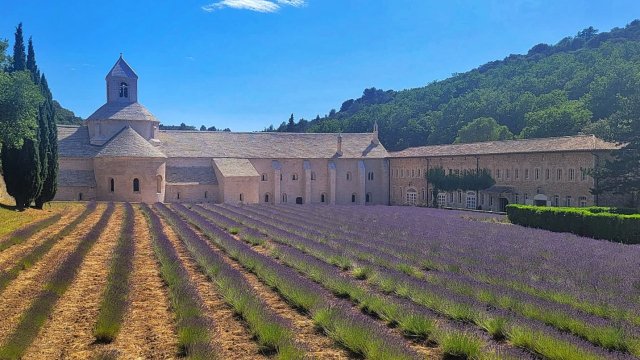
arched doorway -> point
(540, 200)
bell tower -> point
(122, 83)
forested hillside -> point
(584, 83)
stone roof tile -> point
(235, 167)
(122, 69)
(76, 178)
(128, 143)
(203, 175)
(556, 144)
(73, 142)
(270, 145)
(122, 111)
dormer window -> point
(124, 90)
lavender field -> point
(299, 282)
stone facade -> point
(120, 155)
(524, 173)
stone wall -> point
(556, 178)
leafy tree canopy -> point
(483, 129)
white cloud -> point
(264, 6)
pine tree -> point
(19, 57)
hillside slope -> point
(577, 85)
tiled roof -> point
(122, 69)
(73, 142)
(557, 144)
(128, 143)
(203, 175)
(76, 178)
(122, 111)
(235, 167)
(220, 144)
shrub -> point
(592, 222)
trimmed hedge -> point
(598, 223)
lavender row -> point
(433, 297)
(114, 299)
(21, 235)
(355, 331)
(36, 315)
(273, 332)
(192, 324)
(504, 278)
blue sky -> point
(246, 64)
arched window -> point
(313, 176)
(284, 198)
(178, 195)
(368, 198)
(370, 176)
(294, 177)
(136, 185)
(80, 197)
(241, 197)
(323, 198)
(472, 201)
(264, 177)
(112, 185)
(206, 194)
(124, 90)
(354, 197)
(267, 198)
(348, 176)
(159, 184)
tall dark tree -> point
(31, 63)
(19, 56)
(291, 125)
(21, 165)
(48, 146)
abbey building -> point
(120, 154)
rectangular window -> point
(537, 174)
(460, 197)
(413, 173)
(498, 173)
(568, 201)
(526, 174)
(517, 198)
(481, 198)
(506, 174)
(451, 197)
(547, 174)
(583, 201)
(516, 174)
(572, 174)
(556, 200)
(583, 175)
(559, 174)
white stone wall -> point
(192, 193)
(123, 171)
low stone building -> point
(121, 155)
(549, 171)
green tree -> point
(483, 129)
(19, 57)
(49, 142)
(565, 119)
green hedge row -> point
(591, 222)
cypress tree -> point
(19, 57)
(22, 170)
(50, 164)
(31, 63)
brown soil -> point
(19, 295)
(68, 333)
(317, 344)
(230, 335)
(148, 331)
(10, 256)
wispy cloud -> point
(264, 6)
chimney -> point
(339, 152)
(375, 140)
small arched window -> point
(370, 176)
(266, 198)
(264, 177)
(206, 194)
(178, 195)
(80, 197)
(348, 176)
(323, 198)
(294, 177)
(284, 198)
(313, 175)
(112, 185)
(136, 185)
(124, 90)
(354, 197)
(241, 197)
(368, 198)
(159, 184)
